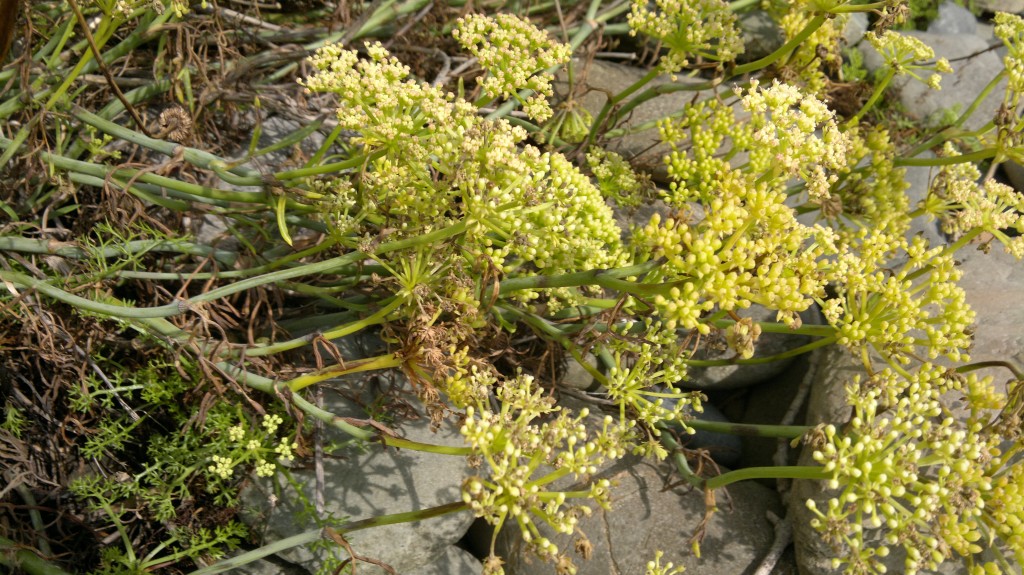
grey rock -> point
(1015, 173)
(454, 561)
(987, 32)
(855, 28)
(576, 376)
(919, 179)
(604, 79)
(645, 517)
(953, 19)
(959, 89)
(736, 376)
(761, 35)
(994, 284)
(212, 230)
(276, 566)
(639, 216)
(364, 481)
(725, 448)
(1000, 5)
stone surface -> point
(995, 286)
(645, 517)
(606, 79)
(855, 28)
(1015, 173)
(999, 5)
(724, 448)
(368, 480)
(919, 178)
(761, 35)
(736, 376)
(995, 289)
(953, 19)
(959, 89)
(454, 561)
(576, 376)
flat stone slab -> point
(366, 480)
(647, 517)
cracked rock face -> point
(994, 286)
(646, 517)
(365, 480)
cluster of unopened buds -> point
(930, 484)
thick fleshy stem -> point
(312, 535)
(605, 278)
(750, 429)
(944, 134)
(386, 361)
(17, 556)
(273, 388)
(1014, 369)
(880, 87)
(787, 472)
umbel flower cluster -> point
(704, 29)
(505, 210)
(433, 162)
(909, 475)
(513, 51)
(252, 447)
(527, 445)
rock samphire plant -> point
(448, 218)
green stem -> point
(784, 50)
(181, 307)
(852, 8)
(749, 429)
(312, 535)
(1016, 371)
(963, 241)
(386, 361)
(944, 135)
(17, 556)
(598, 123)
(972, 157)
(880, 87)
(273, 388)
(345, 165)
(201, 158)
(807, 348)
(379, 317)
(119, 311)
(590, 277)
(679, 459)
(135, 247)
(333, 265)
(784, 472)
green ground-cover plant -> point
(447, 220)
